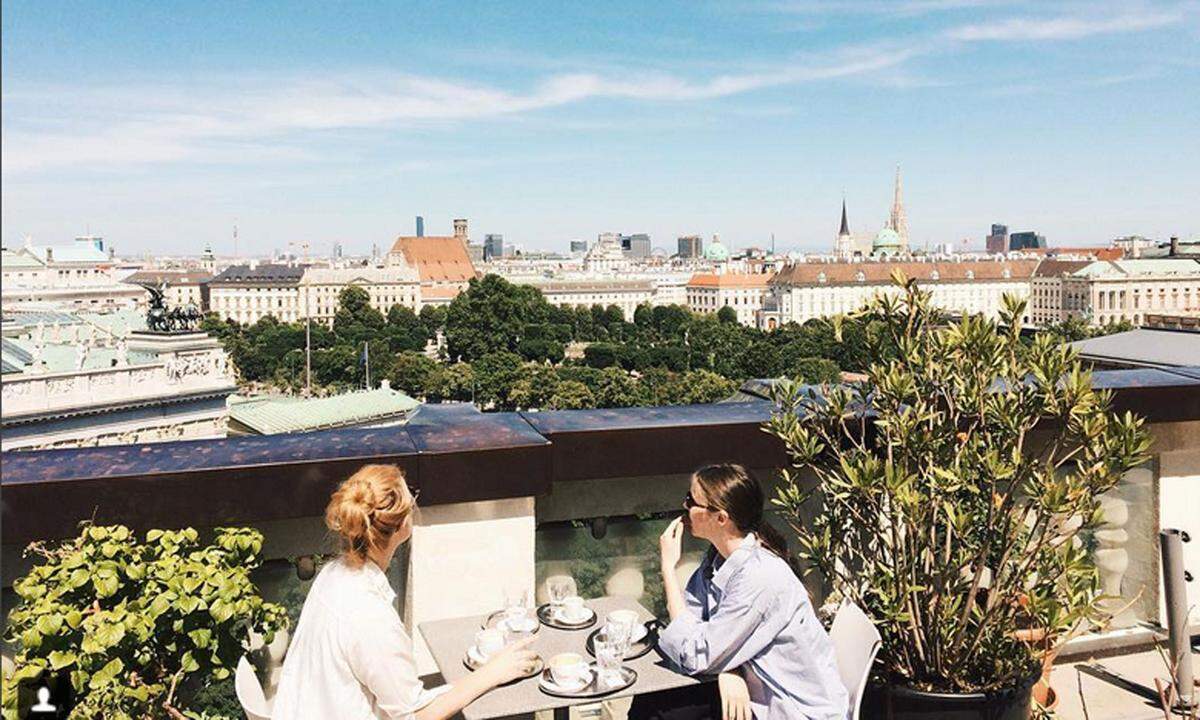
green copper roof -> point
(716, 251)
(274, 415)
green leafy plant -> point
(134, 623)
(952, 489)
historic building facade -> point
(1104, 292)
(804, 291)
(707, 293)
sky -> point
(162, 125)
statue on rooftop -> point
(160, 318)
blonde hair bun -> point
(367, 509)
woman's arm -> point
(511, 663)
(671, 548)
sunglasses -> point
(689, 502)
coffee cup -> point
(568, 668)
(489, 642)
(573, 608)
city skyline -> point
(160, 128)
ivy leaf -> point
(105, 586)
(188, 663)
(79, 578)
(50, 624)
(60, 659)
(201, 637)
(106, 674)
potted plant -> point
(132, 625)
(951, 487)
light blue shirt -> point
(751, 611)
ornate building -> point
(891, 241)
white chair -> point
(250, 692)
(855, 642)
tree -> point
(355, 320)
(412, 373)
(760, 359)
(600, 355)
(337, 365)
(813, 371)
(701, 387)
(405, 330)
(616, 389)
(643, 316)
(535, 388)
(495, 375)
(541, 350)
(451, 383)
(433, 319)
(490, 316)
(670, 320)
(953, 508)
(571, 395)
(727, 315)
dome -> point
(887, 241)
(716, 251)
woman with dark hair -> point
(743, 614)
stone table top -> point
(448, 641)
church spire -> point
(898, 220)
(845, 225)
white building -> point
(707, 293)
(1104, 292)
(247, 293)
(80, 275)
(803, 291)
(386, 286)
(625, 294)
(606, 256)
(141, 388)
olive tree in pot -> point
(952, 486)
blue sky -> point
(160, 125)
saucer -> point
(547, 682)
(527, 624)
(551, 616)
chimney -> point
(420, 226)
(385, 384)
(460, 229)
(50, 254)
(1174, 245)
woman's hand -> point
(735, 697)
(670, 544)
(514, 661)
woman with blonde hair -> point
(350, 656)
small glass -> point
(610, 653)
(516, 607)
(559, 589)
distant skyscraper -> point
(997, 241)
(843, 247)
(899, 220)
(579, 246)
(337, 251)
(493, 246)
(420, 226)
(1026, 241)
(691, 246)
(636, 246)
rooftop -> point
(275, 415)
(262, 273)
(436, 258)
(1142, 348)
(926, 272)
(731, 280)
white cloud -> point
(239, 119)
(1062, 28)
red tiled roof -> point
(437, 259)
(749, 280)
(1055, 268)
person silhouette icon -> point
(44, 708)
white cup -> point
(489, 642)
(573, 608)
(567, 668)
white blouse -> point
(350, 656)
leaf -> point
(105, 586)
(221, 611)
(201, 637)
(188, 663)
(79, 578)
(60, 659)
(106, 674)
(50, 624)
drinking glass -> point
(610, 652)
(559, 589)
(516, 605)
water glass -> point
(610, 652)
(559, 589)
